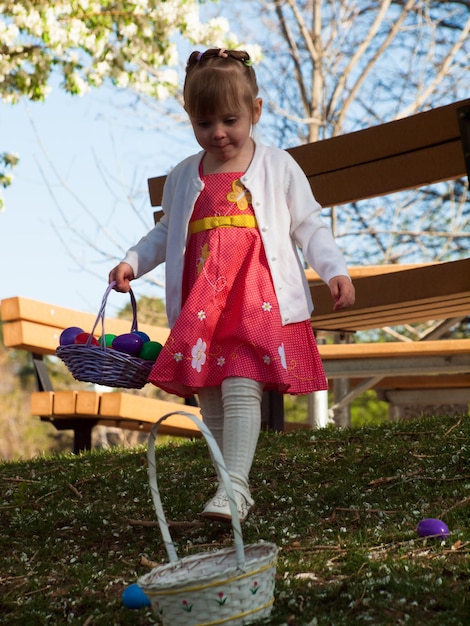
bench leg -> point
(82, 437)
(82, 430)
(272, 411)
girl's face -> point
(226, 136)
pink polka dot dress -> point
(230, 324)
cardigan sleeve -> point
(149, 251)
(309, 230)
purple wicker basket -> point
(103, 365)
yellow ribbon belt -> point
(222, 221)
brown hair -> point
(219, 80)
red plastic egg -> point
(130, 343)
(67, 336)
(82, 338)
(431, 527)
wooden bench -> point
(396, 295)
(36, 327)
(409, 153)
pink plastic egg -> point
(67, 336)
(431, 527)
(130, 343)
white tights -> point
(232, 413)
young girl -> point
(237, 300)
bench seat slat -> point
(87, 403)
(129, 406)
(65, 402)
(366, 351)
(364, 271)
(119, 409)
(435, 281)
(443, 381)
(369, 319)
(173, 426)
(429, 292)
(42, 403)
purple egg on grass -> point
(431, 527)
(67, 336)
(134, 598)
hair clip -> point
(248, 62)
(199, 56)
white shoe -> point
(218, 509)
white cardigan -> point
(286, 212)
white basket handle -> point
(219, 461)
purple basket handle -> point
(101, 314)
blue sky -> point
(79, 155)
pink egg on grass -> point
(431, 527)
(67, 336)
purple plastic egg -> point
(67, 336)
(431, 527)
(130, 343)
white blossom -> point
(144, 57)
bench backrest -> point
(408, 153)
(405, 154)
(415, 294)
(36, 326)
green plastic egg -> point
(108, 339)
(150, 350)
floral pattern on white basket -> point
(231, 586)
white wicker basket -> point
(233, 586)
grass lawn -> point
(342, 505)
